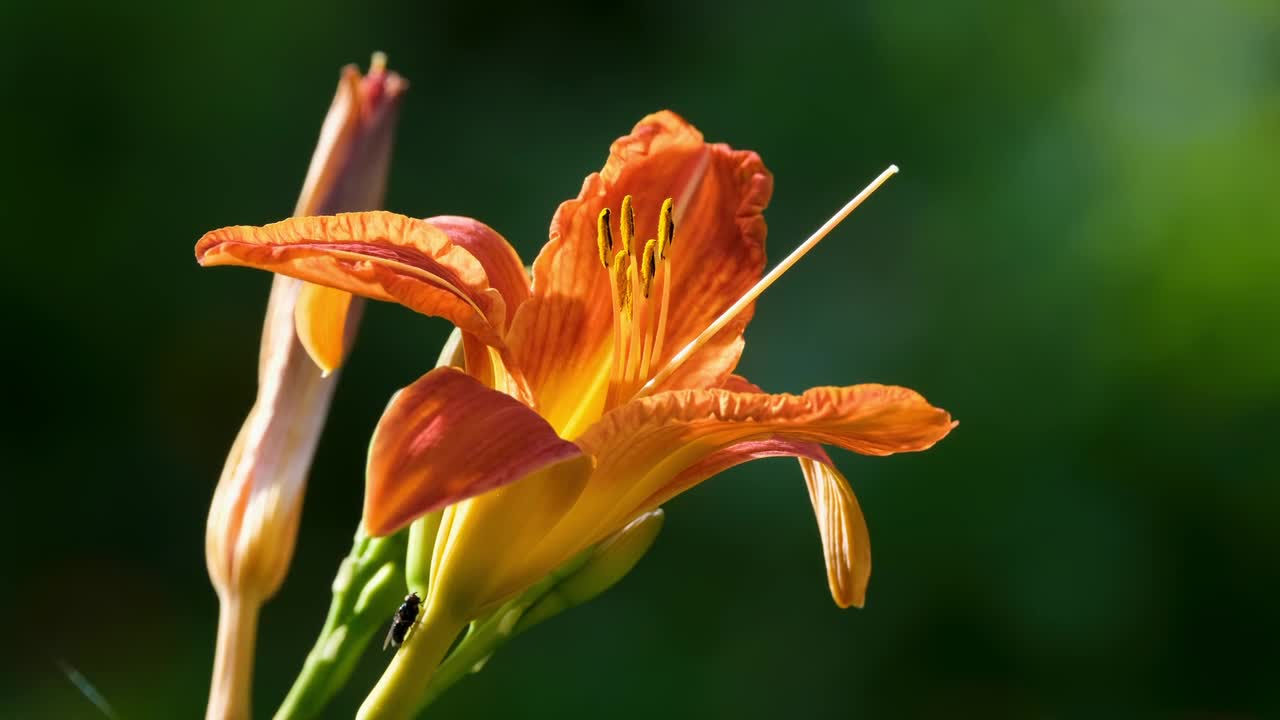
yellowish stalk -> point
(661, 332)
(229, 692)
(402, 690)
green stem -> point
(367, 589)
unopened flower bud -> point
(253, 519)
(254, 515)
(607, 564)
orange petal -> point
(378, 255)
(446, 438)
(846, 544)
(737, 383)
(326, 320)
(562, 335)
(868, 419)
(501, 263)
(642, 447)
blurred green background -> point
(1079, 260)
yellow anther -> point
(622, 280)
(604, 237)
(666, 228)
(628, 225)
(648, 266)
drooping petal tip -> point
(846, 543)
(324, 319)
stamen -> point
(628, 226)
(633, 272)
(666, 228)
(688, 350)
(648, 266)
(648, 271)
(604, 237)
(668, 278)
(635, 348)
(619, 288)
(666, 234)
(622, 281)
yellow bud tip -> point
(628, 226)
(378, 63)
(604, 237)
(666, 228)
(648, 266)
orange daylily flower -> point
(574, 353)
(571, 417)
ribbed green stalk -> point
(367, 589)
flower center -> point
(749, 296)
(641, 279)
(641, 291)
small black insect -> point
(402, 621)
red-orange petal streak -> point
(446, 438)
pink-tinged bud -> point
(348, 173)
(253, 519)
